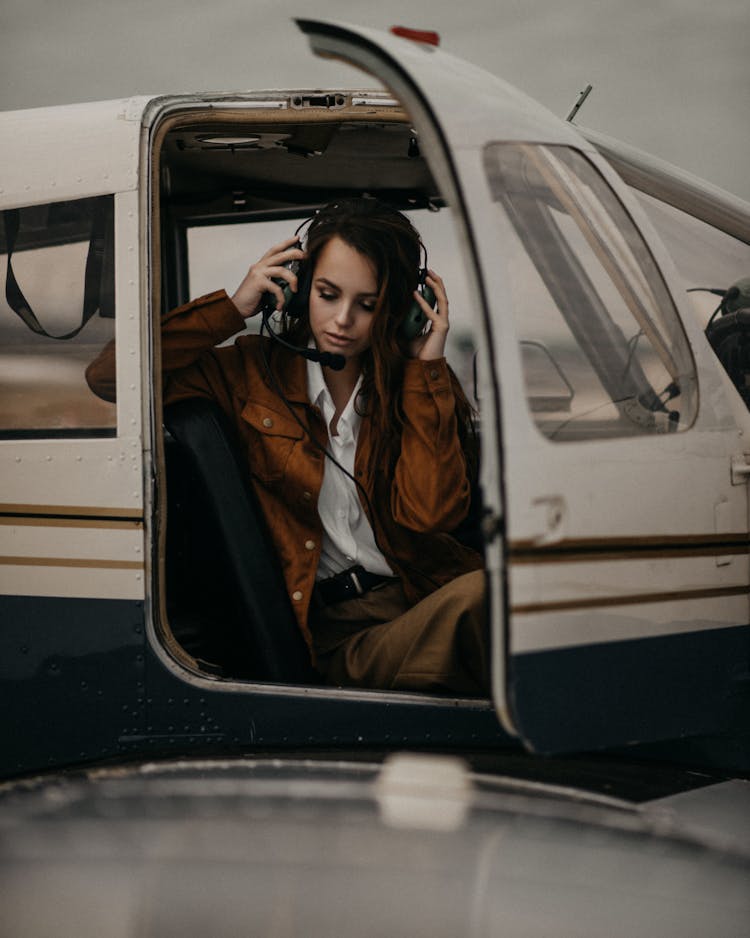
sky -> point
(670, 76)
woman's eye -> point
(326, 296)
(368, 307)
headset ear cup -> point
(296, 304)
(413, 323)
(415, 320)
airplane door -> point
(613, 468)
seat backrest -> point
(268, 623)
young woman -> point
(363, 472)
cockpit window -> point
(603, 350)
(56, 313)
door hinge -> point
(329, 101)
(740, 470)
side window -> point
(705, 256)
(603, 350)
(56, 313)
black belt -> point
(356, 581)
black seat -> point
(231, 567)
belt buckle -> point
(357, 585)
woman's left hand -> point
(432, 345)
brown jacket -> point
(428, 495)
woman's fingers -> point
(438, 315)
(283, 273)
(257, 280)
(290, 243)
(431, 346)
(269, 286)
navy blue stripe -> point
(642, 690)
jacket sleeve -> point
(431, 490)
(191, 367)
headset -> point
(295, 305)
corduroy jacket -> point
(411, 513)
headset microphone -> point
(327, 359)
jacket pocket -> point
(271, 445)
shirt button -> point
(309, 545)
(296, 596)
(267, 422)
(433, 374)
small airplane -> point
(142, 612)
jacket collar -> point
(291, 372)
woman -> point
(362, 472)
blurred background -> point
(669, 76)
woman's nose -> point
(344, 313)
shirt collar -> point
(317, 391)
(319, 396)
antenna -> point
(577, 106)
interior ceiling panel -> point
(319, 156)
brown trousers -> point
(379, 641)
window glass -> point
(56, 313)
(219, 256)
(703, 255)
(603, 350)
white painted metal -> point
(48, 558)
(69, 152)
(50, 155)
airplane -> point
(614, 468)
(150, 663)
(614, 509)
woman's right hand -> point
(259, 278)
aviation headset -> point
(296, 304)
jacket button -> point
(267, 422)
(433, 374)
(309, 545)
(296, 596)
(307, 496)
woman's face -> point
(343, 296)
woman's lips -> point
(339, 340)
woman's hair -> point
(388, 239)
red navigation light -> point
(428, 36)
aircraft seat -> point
(222, 571)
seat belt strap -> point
(92, 277)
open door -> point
(617, 526)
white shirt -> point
(347, 534)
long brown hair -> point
(389, 240)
